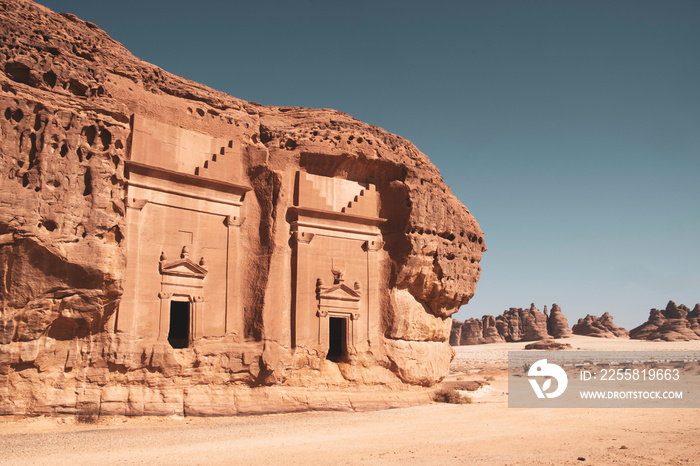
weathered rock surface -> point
(69, 100)
(675, 323)
(601, 327)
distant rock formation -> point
(522, 324)
(475, 332)
(515, 324)
(557, 325)
(601, 327)
(675, 323)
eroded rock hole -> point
(18, 72)
(32, 150)
(77, 88)
(64, 150)
(106, 138)
(89, 133)
(50, 225)
(49, 78)
(87, 178)
(17, 115)
(37, 122)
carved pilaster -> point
(164, 317)
(197, 312)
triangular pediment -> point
(183, 268)
(340, 292)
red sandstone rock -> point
(557, 325)
(456, 333)
(475, 332)
(675, 323)
(547, 344)
(490, 331)
(142, 211)
(602, 327)
(514, 324)
(472, 332)
(518, 324)
(694, 319)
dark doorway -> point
(179, 334)
(337, 339)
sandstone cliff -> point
(70, 96)
(674, 323)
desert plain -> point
(485, 431)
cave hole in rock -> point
(337, 339)
(179, 333)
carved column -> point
(197, 311)
(305, 293)
(234, 312)
(129, 306)
(164, 318)
(371, 247)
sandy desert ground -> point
(483, 432)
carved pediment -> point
(183, 268)
(339, 292)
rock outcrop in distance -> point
(515, 324)
(675, 323)
(166, 248)
(548, 344)
(601, 327)
(557, 325)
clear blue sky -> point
(571, 129)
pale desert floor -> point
(483, 432)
